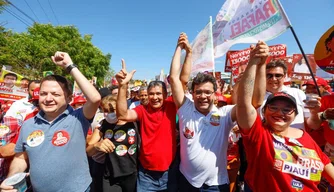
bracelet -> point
(322, 116)
(69, 68)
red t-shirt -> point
(317, 134)
(158, 130)
(282, 164)
(328, 102)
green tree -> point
(29, 53)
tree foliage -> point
(29, 52)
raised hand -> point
(184, 43)
(62, 59)
(123, 77)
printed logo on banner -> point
(35, 138)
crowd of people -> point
(264, 136)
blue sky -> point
(144, 33)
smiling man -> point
(39, 146)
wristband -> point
(322, 116)
(69, 68)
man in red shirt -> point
(158, 133)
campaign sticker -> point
(215, 119)
(188, 133)
(121, 150)
(131, 140)
(35, 138)
(109, 134)
(60, 138)
(297, 185)
(4, 129)
(324, 51)
(132, 149)
(119, 136)
(131, 132)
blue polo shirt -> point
(56, 151)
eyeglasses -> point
(207, 93)
(278, 76)
(285, 111)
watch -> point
(69, 68)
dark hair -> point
(113, 87)
(157, 83)
(203, 78)
(277, 63)
(33, 81)
(331, 36)
(10, 74)
(60, 79)
(24, 78)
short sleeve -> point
(139, 110)
(255, 133)
(19, 142)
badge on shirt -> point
(60, 138)
(35, 138)
(109, 134)
(119, 136)
(188, 133)
(4, 129)
(121, 150)
(131, 132)
(297, 185)
(215, 119)
(132, 149)
(131, 140)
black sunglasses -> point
(278, 76)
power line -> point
(32, 10)
(10, 3)
(17, 17)
(53, 12)
(44, 11)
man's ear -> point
(69, 98)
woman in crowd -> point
(118, 139)
(280, 158)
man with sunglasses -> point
(275, 75)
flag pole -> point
(300, 47)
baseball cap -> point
(35, 95)
(320, 82)
(281, 96)
(221, 98)
(104, 92)
(78, 99)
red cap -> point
(222, 98)
(78, 99)
(320, 82)
(35, 95)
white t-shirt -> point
(20, 109)
(204, 142)
(299, 95)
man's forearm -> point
(260, 83)
(18, 165)
(121, 105)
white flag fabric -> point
(202, 47)
(247, 21)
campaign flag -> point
(202, 47)
(247, 21)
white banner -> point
(247, 21)
(202, 47)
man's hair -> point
(330, 37)
(24, 78)
(157, 83)
(277, 63)
(67, 85)
(142, 88)
(11, 74)
(113, 87)
(203, 78)
(33, 81)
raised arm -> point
(186, 68)
(260, 82)
(122, 112)
(176, 85)
(93, 97)
(245, 111)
